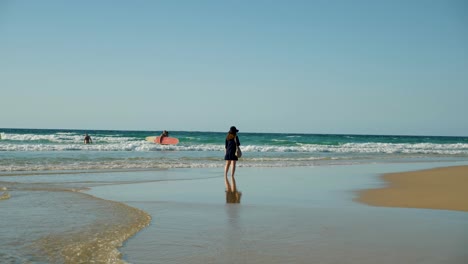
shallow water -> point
(287, 215)
(51, 222)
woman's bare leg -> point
(226, 181)
(233, 170)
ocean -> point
(122, 199)
(25, 150)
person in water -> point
(231, 143)
(163, 134)
(87, 139)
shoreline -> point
(443, 188)
(100, 241)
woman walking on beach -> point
(232, 141)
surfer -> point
(163, 134)
(87, 139)
(231, 143)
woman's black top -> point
(231, 149)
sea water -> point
(47, 215)
(63, 150)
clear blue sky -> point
(363, 67)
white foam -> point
(118, 144)
(65, 138)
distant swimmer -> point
(87, 139)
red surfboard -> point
(166, 140)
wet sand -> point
(440, 188)
(286, 215)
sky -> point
(339, 67)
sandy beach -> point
(440, 188)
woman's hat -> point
(233, 130)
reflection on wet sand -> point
(233, 196)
